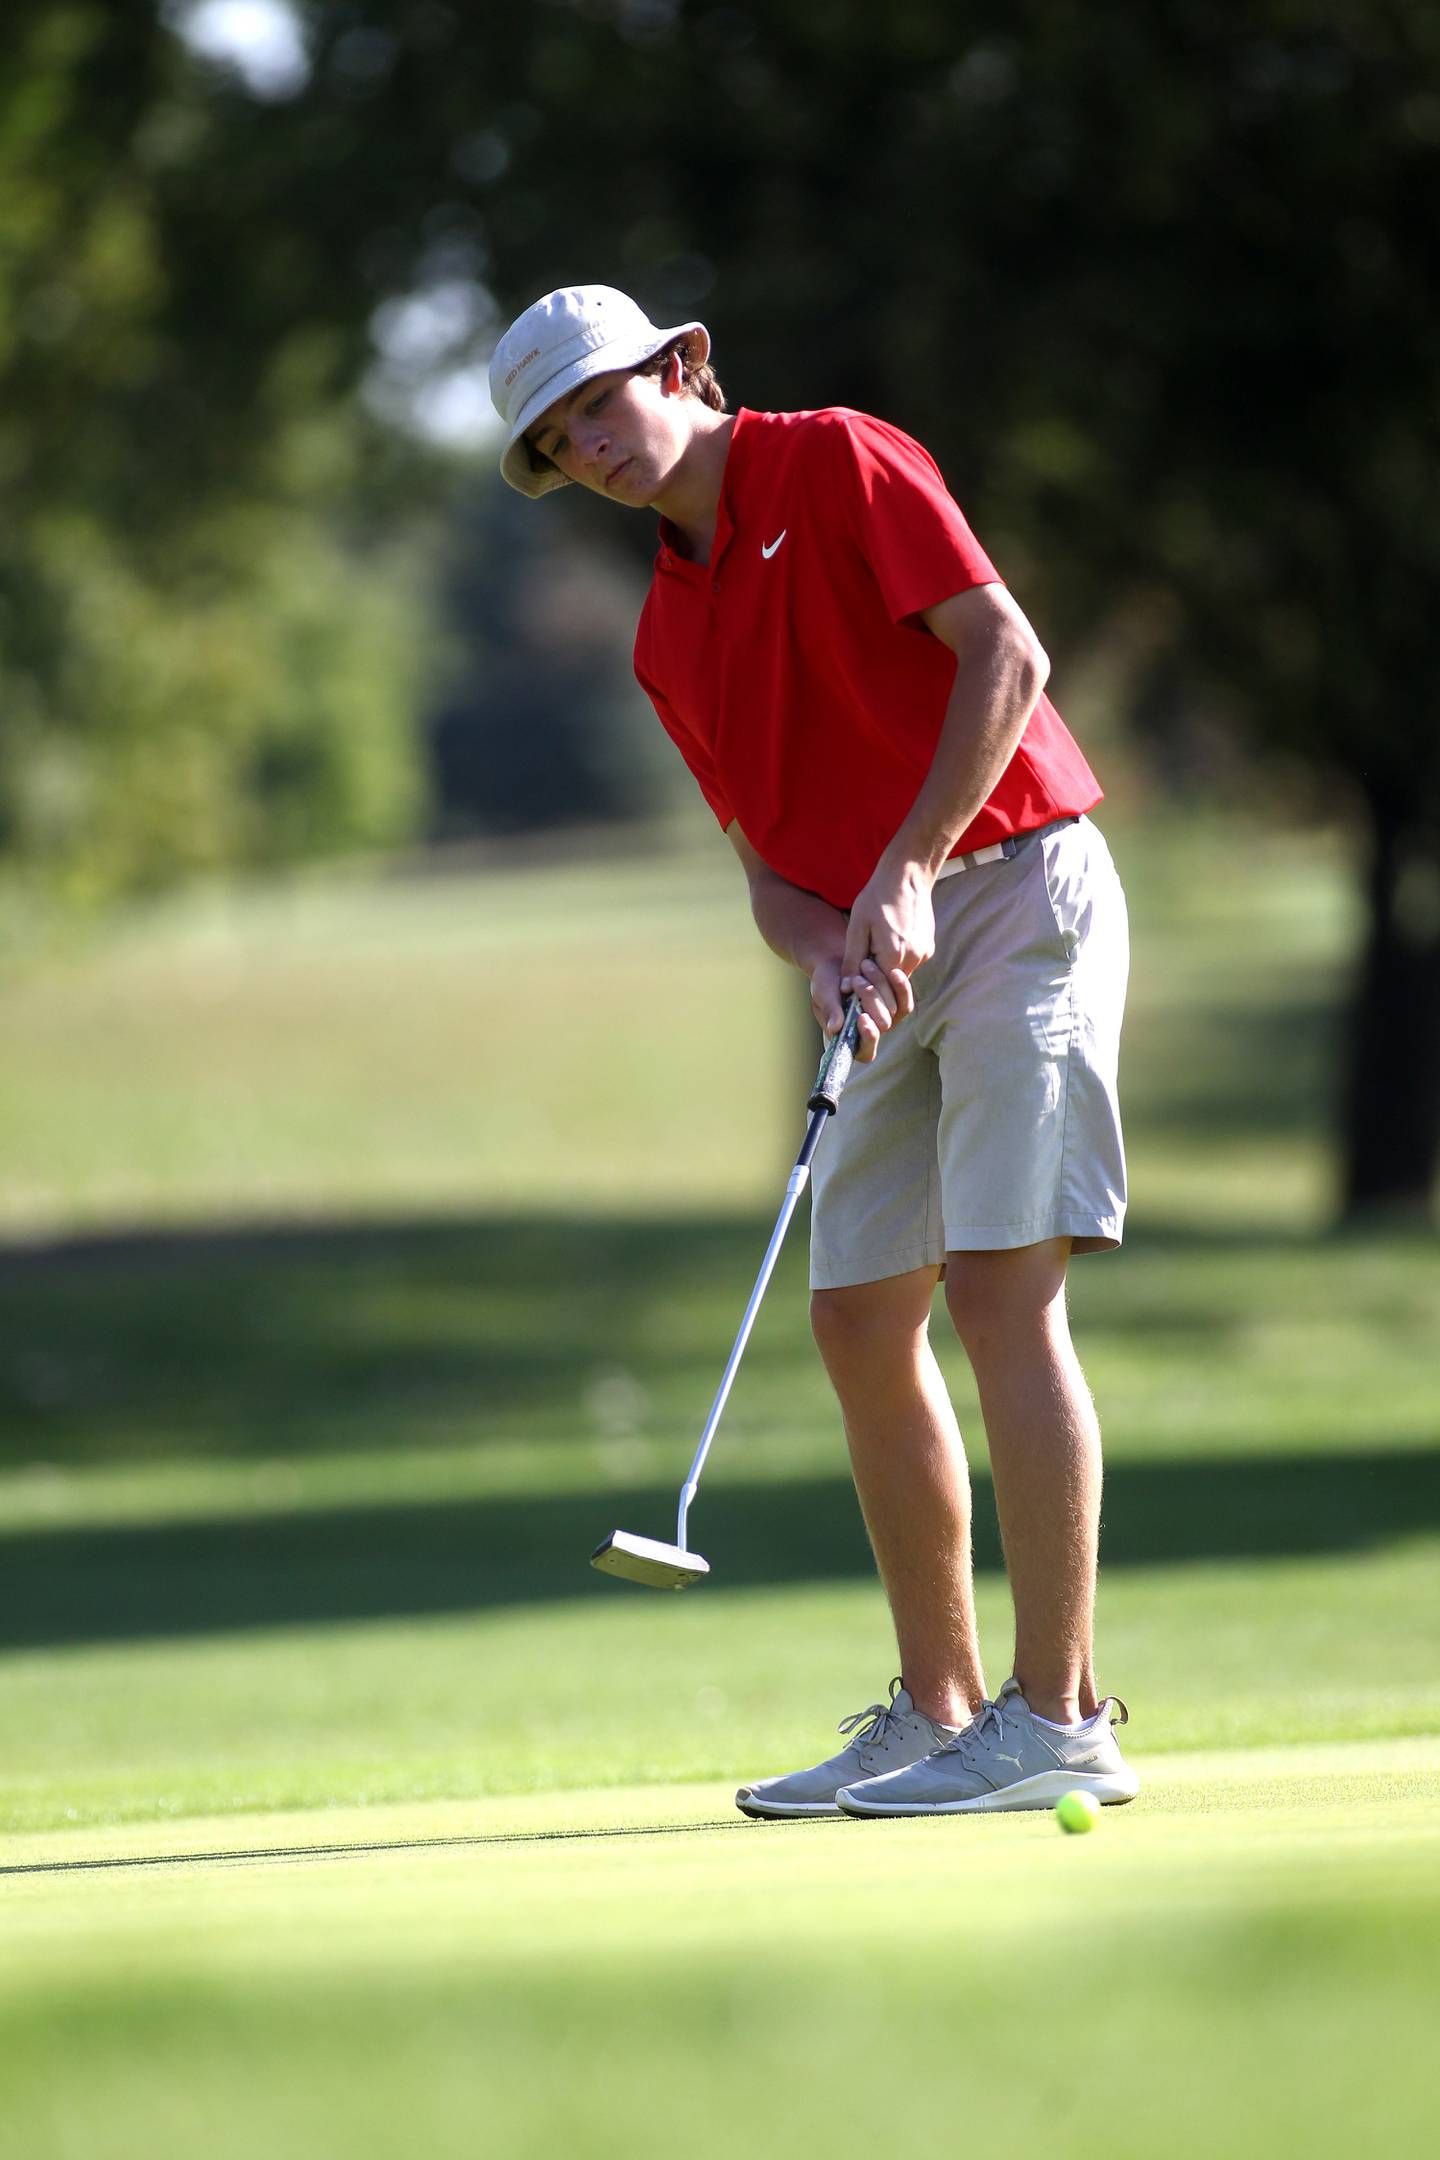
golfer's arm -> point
(1000, 671)
(798, 925)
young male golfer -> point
(862, 704)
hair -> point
(700, 382)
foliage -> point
(1156, 285)
(537, 721)
(221, 719)
(200, 663)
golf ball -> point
(1077, 1812)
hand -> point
(891, 932)
(882, 1003)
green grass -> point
(609, 1689)
(373, 1249)
(1243, 1964)
(350, 1046)
(608, 1036)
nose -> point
(592, 440)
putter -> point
(671, 1567)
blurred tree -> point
(538, 722)
(200, 662)
(1156, 285)
(198, 720)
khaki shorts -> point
(989, 1119)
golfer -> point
(863, 706)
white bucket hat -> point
(564, 339)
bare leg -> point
(1009, 1312)
(910, 1472)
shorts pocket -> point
(1063, 868)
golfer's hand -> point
(880, 1004)
(890, 933)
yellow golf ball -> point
(1077, 1812)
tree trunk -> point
(1391, 1133)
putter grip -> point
(836, 1063)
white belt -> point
(999, 851)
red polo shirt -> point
(793, 670)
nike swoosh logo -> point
(767, 552)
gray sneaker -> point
(885, 1737)
(1005, 1758)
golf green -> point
(1238, 1962)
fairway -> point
(344, 1810)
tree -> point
(1161, 293)
(201, 662)
(1157, 286)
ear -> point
(673, 379)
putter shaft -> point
(643, 1560)
(799, 1178)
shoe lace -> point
(872, 1723)
(988, 1719)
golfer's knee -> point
(994, 1296)
(869, 1324)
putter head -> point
(645, 1560)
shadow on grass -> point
(386, 1562)
(322, 1339)
(329, 1340)
(316, 1338)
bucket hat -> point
(573, 333)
